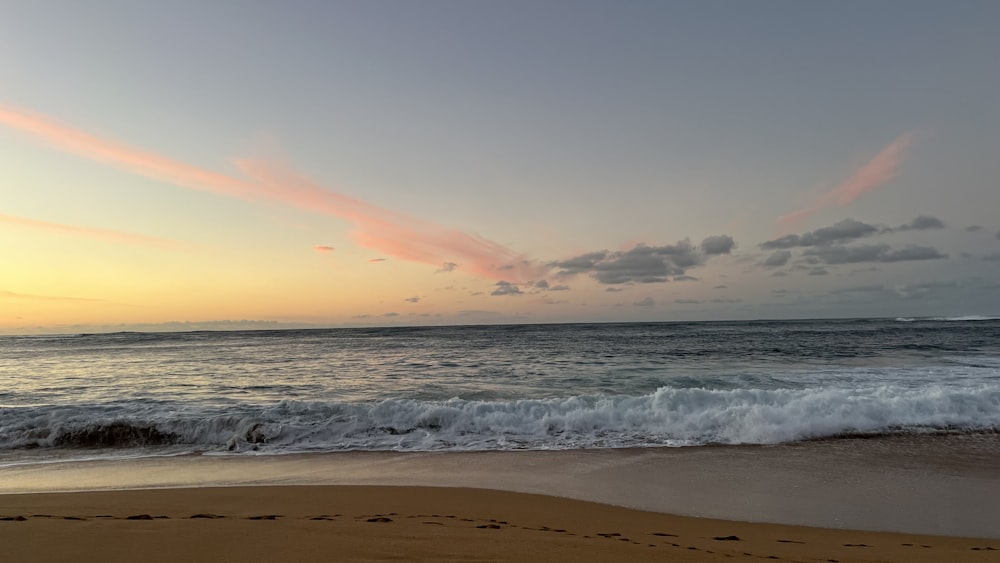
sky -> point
(253, 164)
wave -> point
(963, 318)
(667, 417)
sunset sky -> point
(230, 164)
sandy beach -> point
(380, 523)
(865, 500)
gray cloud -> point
(613, 289)
(392, 314)
(719, 244)
(921, 223)
(844, 231)
(720, 287)
(542, 284)
(506, 288)
(993, 257)
(561, 288)
(448, 267)
(998, 235)
(859, 289)
(818, 271)
(848, 230)
(777, 258)
(642, 264)
(913, 291)
(973, 228)
(685, 278)
(645, 302)
(687, 301)
(413, 299)
(872, 253)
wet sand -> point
(378, 523)
(944, 485)
(900, 499)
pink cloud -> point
(877, 172)
(322, 249)
(389, 232)
(90, 232)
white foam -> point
(667, 417)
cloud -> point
(391, 314)
(323, 249)
(992, 257)
(447, 267)
(376, 259)
(506, 288)
(388, 232)
(645, 302)
(560, 288)
(843, 231)
(872, 253)
(90, 232)
(719, 244)
(921, 223)
(413, 299)
(724, 300)
(721, 287)
(685, 278)
(687, 301)
(542, 284)
(997, 235)
(818, 271)
(878, 171)
(4, 294)
(613, 289)
(917, 290)
(640, 264)
(973, 228)
(777, 258)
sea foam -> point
(667, 417)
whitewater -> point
(483, 388)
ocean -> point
(495, 388)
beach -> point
(850, 440)
(381, 523)
(933, 499)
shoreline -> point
(362, 523)
(948, 486)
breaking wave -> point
(963, 318)
(666, 417)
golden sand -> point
(380, 523)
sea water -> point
(482, 388)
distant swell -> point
(667, 417)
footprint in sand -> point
(379, 519)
